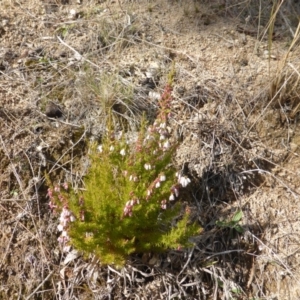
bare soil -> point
(235, 111)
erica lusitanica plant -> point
(131, 200)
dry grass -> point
(238, 125)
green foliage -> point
(233, 223)
(128, 203)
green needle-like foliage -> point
(127, 206)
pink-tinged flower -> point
(81, 215)
(127, 211)
(147, 166)
(57, 189)
(162, 177)
(163, 204)
(52, 205)
(61, 198)
(150, 129)
(172, 197)
(61, 239)
(65, 211)
(184, 181)
(125, 173)
(81, 201)
(175, 190)
(65, 185)
(50, 193)
(66, 248)
(123, 152)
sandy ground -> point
(235, 110)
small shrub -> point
(128, 204)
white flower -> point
(111, 148)
(72, 14)
(119, 135)
(166, 145)
(162, 137)
(123, 152)
(153, 95)
(100, 148)
(148, 193)
(172, 197)
(162, 125)
(133, 178)
(147, 166)
(64, 234)
(60, 227)
(162, 177)
(157, 185)
(163, 204)
(184, 181)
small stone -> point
(53, 111)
